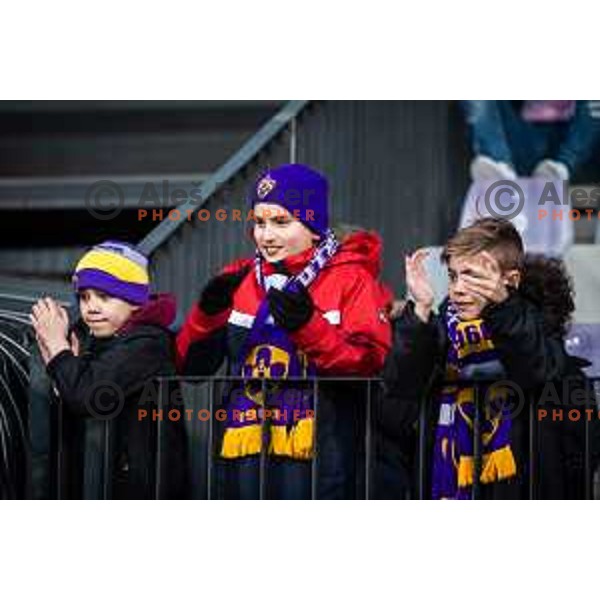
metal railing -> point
(70, 456)
(210, 475)
(233, 166)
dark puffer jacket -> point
(110, 381)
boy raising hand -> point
(487, 329)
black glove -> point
(217, 296)
(280, 267)
(290, 310)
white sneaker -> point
(484, 168)
(551, 170)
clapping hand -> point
(51, 325)
(418, 285)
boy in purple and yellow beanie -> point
(122, 344)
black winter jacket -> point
(110, 381)
(534, 361)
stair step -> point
(68, 193)
(72, 138)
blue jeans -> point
(498, 131)
(340, 473)
(285, 479)
(339, 470)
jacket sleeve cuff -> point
(198, 326)
(54, 365)
(212, 322)
(411, 317)
(408, 318)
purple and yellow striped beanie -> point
(117, 269)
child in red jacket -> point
(306, 306)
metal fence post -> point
(293, 140)
(107, 462)
(476, 490)
(532, 448)
(210, 442)
(59, 449)
(421, 462)
(368, 442)
(263, 446)
(158, 462)
(587, 469)
(314, 467)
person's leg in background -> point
(550, 149)
(529, 142)
(575, 140)
(487, 121)
(554, 149)
(560, 148)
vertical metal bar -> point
(59, 449)
(107, 460)
(476, 490)
(422, 447)
(210, 442)
(368, 442)
(532, 448)
(293, 141)
(158, 454)
(587, 470)
(263, 446)
(28, 491)
(314, 468)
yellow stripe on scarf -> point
(114, 264)
(241, 441)
(296, 443)
(496, 466)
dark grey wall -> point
(399, 168)
(91, 138)
(53, 152)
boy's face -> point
(277, 234)
(477, 280)
(104, 314)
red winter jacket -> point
(349, 333)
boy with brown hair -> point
(487, 330)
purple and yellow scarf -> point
(269, 354)
(471, 355)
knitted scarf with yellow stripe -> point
(471, 356)
(270, 355)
